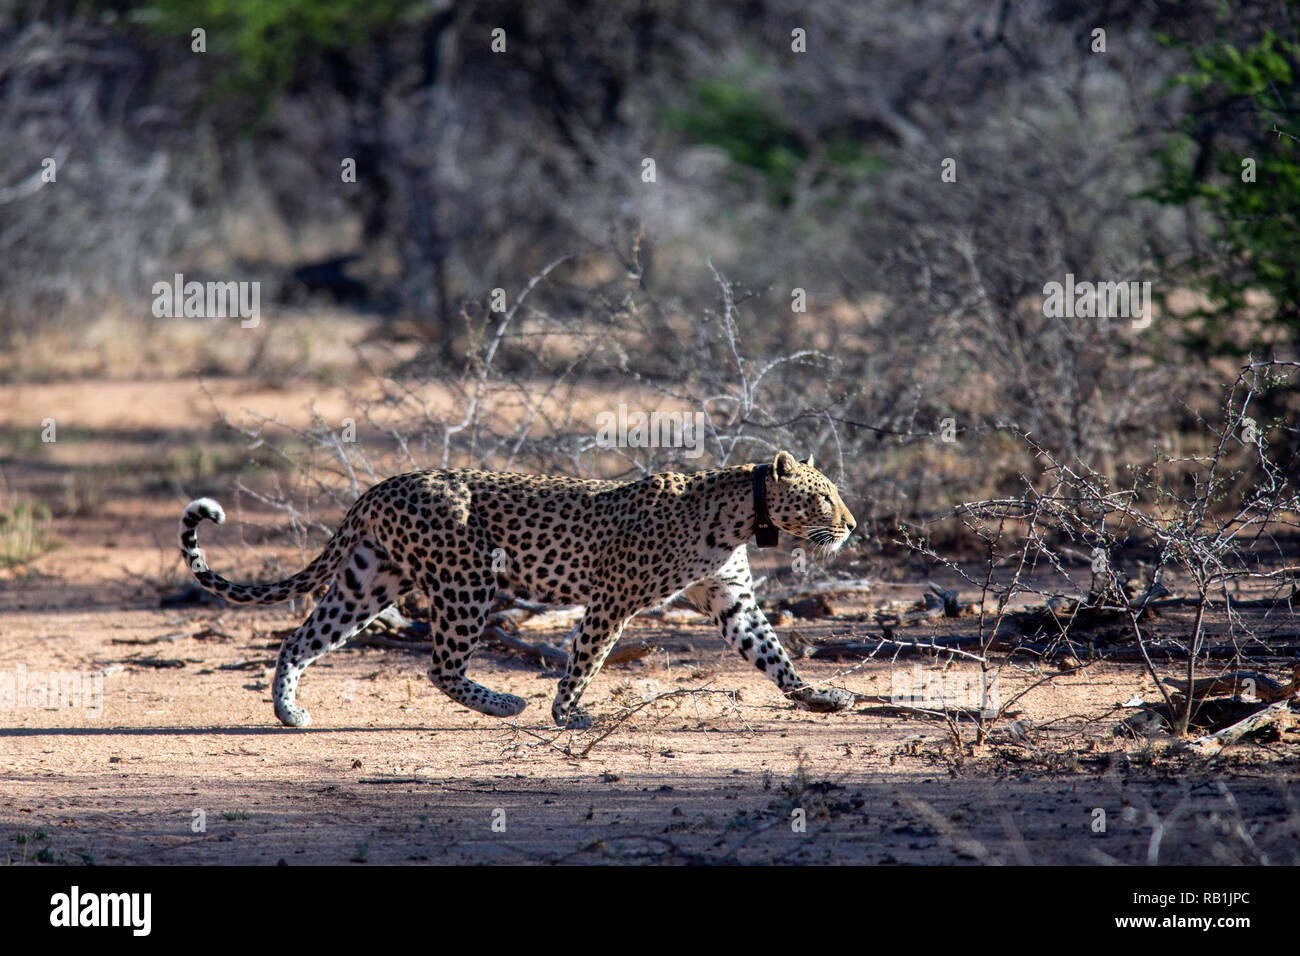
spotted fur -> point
(615, 547)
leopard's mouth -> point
(829, 540)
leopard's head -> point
(804, 502)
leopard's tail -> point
(304, 582)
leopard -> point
(455, 537)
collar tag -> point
(766, 534)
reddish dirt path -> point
(393, 772)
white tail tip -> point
(206, 508)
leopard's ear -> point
(784, 466)
(809, 461)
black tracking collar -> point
(765, 533)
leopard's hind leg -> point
(457, 627)
(598, 632)
(459, 607)
(365, 584)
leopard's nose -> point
(850, 523)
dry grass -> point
(25, 532)
(120, 345)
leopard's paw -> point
(575, 719)
(293, 716)
(822, 700)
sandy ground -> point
(176, 757)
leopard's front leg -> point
(728, 598)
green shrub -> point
(1242, 104)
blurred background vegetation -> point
(775, 170)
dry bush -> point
(1211, 520)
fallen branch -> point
(1247, 684)
(887, 707)
(850, 586)
(630, 651)
(948, 600)
(149, 640)
(548, 654)
(1292, 598)
(372, 639)
(1213, 744)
